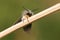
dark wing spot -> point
(29, 14)
(27, 27)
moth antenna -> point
(25, 8)
(35, 9)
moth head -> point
(27, 12)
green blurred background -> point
(46, 28)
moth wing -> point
(19, 20)
(27, 28)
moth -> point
(25, 15)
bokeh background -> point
(46, 28)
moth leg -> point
(23, 20)
(27, 18)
